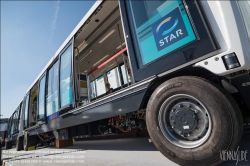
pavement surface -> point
(113, 152)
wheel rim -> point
(185, 121)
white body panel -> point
(228, 26)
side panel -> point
(120, 106)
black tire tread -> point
(8, 145)
(228, 101)
(19, 143)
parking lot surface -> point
(112, 152)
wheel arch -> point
(188, 71)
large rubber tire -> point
(19, 143)
(29, 141)
(8, 145)
(225, 115)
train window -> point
(25, 118)
(100, 85)
(17, 118)
(124, 76)
(114, 78)
(66, 94)
(162, 25)
(33, 105)
(12, 127)
(93, 90)
(52, 105)
(14, 122)
(22, 109)
(41, 96)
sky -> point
(31, 33)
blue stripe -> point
(52, 116)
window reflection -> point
(25, 119)
(41, 109)
(66, 95)
(52, 92)
(93, 91)
(100, 86)
(159, 28)
(114, 78)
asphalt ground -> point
(112, 152)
